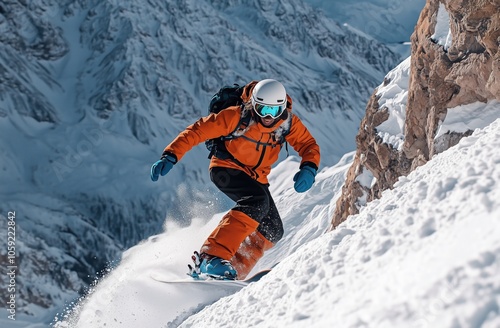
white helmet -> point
(269, 98)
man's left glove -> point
(163, 166)
(304, 179)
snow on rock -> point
(393, 95)
(469, 117)
(463, 120)
(439, 80)
(442, 33)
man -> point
(240, 170)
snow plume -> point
(128, 297)
(424, 255)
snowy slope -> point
(424, 255)
(131, 297)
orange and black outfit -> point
(253, 225)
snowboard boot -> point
(217, 268)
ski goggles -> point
(268, 110)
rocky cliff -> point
(454, 62)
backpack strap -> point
(219, 147)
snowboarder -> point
(240, 168)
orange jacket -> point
(253, 158)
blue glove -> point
(304, 179)
(163, 166)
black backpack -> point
(231, 96)
(226, 96)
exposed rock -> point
(441, 77)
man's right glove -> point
(163, 166)
(304, 179)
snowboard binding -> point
(206, 267)
(194, 271)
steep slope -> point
(129, 297)
(424, 255)
(92, 91)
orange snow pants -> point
(226, 238)
(250, 228)
(230, 240)
(249, 253)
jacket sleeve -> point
(208, 127)
(304, 143)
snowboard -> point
(191, 296)
(214, 282)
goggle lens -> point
(266, 110)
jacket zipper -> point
(264, 147)
(260, 159)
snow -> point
(424, 255)
(469, 117)
(375, 18)
(393, 98)
(442, 33)
(414, 257)
(393, 93)
(365, 179)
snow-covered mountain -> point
(423, 255)
(91, 92)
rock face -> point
(462, 70)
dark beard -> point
(282, 117)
